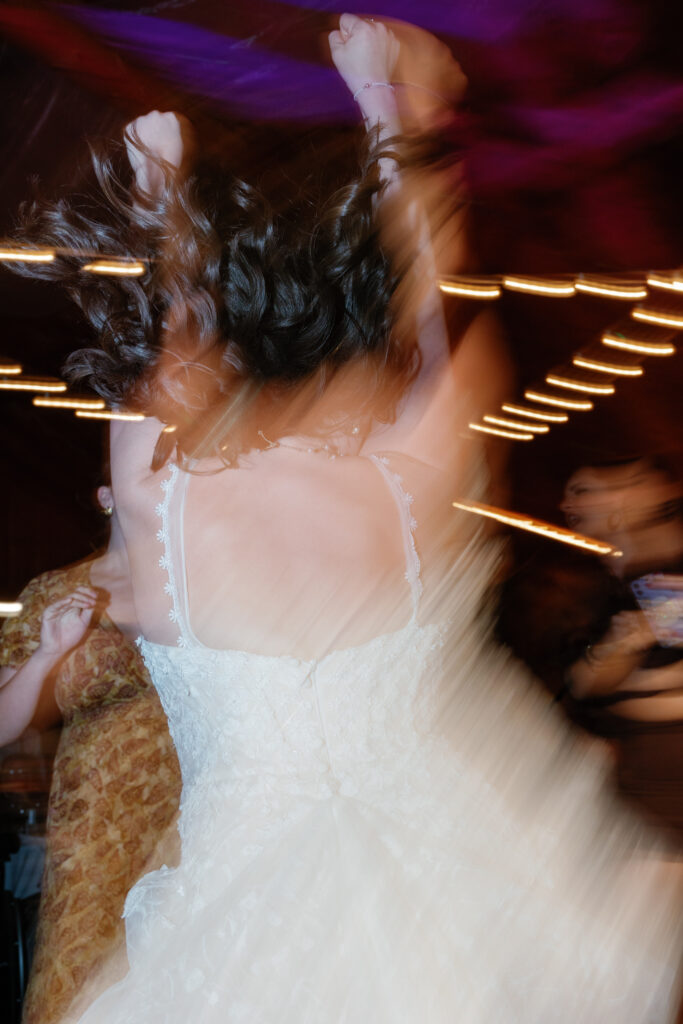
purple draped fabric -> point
(566, 100)
(539, 121)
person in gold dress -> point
(115, 785)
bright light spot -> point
(108, 414)
(562, 403)
(575, 385)
(125, 268)
(7, 368)
(593, 286)
(618, 371)
(522, 522)
(669, 282)
(535, 428)
(501, 433)
(27, 255)
(170, 429)
(470, 289)
(539, 286)
(521, 410)
(69, 403)
(32, 385)
(644, 347)
(9, 608)
(652, 317)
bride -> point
(380, 819)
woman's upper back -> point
(290, 552)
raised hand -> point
(629, 633)
(363, 51)
(66, 622)
(153, 140)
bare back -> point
(291, 552)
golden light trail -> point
(610, 290)
(652, 317)
(26, 255)
(32, 385)
(539, 287)
(535, 428)
(562, 403)
(521, 410)
(8, 608)
(501, 433)
(522, 522)
(618, 371)
(69, 403)
(7, 368)
(170, 429)
(645, 348)
(669, 282)
(470, 289)
(108, 414)
(126, 268)
(575, 385)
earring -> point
(108, 511)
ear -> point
(105, 498)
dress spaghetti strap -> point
(171, 512)
(404, 502)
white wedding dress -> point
(400, 832)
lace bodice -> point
(244, 719)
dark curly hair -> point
(231, 293)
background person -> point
(70, 657)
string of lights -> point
(647, 332)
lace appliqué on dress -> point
(404, 501)
(166, 560)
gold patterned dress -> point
(115, 793)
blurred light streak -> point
(170, 429)
(9, 608)
(125, 268)
(26, 255)
(610, 290)
(108, 414)
(669, 282)
(576, 385)
(470, 289)
(522, 522)
(32, 385)
(539, 286)
(69, 403)
(521, 410)
(7, 368)
(501, 433)
(618, 371)
(562, 403)
(652, 317)
(535, 428)
(644, 347)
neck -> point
(114, 562)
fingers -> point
(348, 23)
(82, 597)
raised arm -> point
(423, 225)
